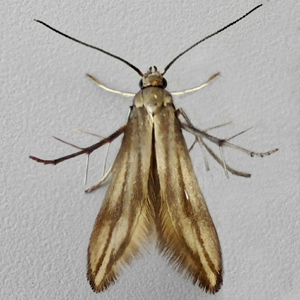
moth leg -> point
(87, 150)
(101, 181)
(87, 158)
(95, 80)
(223, 160)
(104, 174)
(106, 155)
(202, 150)
(67, 143)
(105, 162)
(220, 147)
(205, 130)
(200, 134)
(217, 126)
(202, 145)
(222, 152)
(204, 84)
(224, 142)
(90, 133)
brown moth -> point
(154, 189)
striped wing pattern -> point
(186, 233)
(125, 219)
(154, 186)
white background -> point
(46, 219)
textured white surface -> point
(46, 219)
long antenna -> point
(207, 37)
(93, 47)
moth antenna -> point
(93, 47)
(207, 37)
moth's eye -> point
(141, 83)
(164, 83)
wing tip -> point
(212, 289)
(209, 286)
(103, 285)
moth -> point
(153, 188)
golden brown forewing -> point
(125, 219)
(186, 233)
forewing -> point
(186, 233)
(125, 219)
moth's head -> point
(153, 78)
